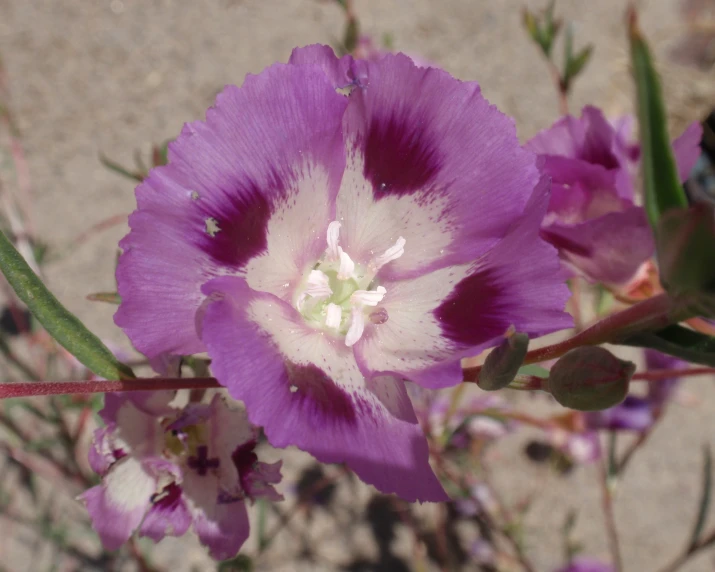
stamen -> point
(357, 326)
(318, 285)
(363, 298)
(347, 266)
(392, 253)
(333, 250)
(334, 314)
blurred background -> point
(115, 77)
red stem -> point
(38, 388)
(33, 389)
(661, 374)
(651, 314)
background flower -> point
(593, 218)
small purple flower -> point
(592, 218)
(164, 469)
(476, 418)
(323, 248)
(581, 447)
(659, 392)
(634, 414)
(586, 565)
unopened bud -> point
(685, 240)
(590, 378)
(503, 362)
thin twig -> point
(610, 519)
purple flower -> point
(323, 248)
(164, 469)
(659, 392)
(592, 218)
(634, 414)
(586, 565)
(477, 418)
(581, 447)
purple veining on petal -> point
(476, 295)
(399, 157)
(244, 458)
(318, 395)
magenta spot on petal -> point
(242, 220)
(244, 458)
(475, 311)
(318, 394)
(168, 497)
(399, 157)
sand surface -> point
(116, 76)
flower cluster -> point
(165, 469)
(334, 228)
(592, 217)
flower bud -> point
(590, 378)
(503, 362)
(685, 241)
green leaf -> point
(679, 342)
(663, 190)
(56, 319)
(240, 563)
(705, 498)
(351, 35)
(574, 65)
(117, 168)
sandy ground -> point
(117, 76)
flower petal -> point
(418, 167)
(342, 72)
(229, 428)
(436, 319)
(304, 387)
(608, 249)
(168, 515)
(257, 179)
(686, 150)
(223, 527)
(117, 506)
(137, 431)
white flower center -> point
(336, 294)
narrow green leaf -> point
(663, 190)
(705, 498)
(56, 319)
(351, 35)
(576, 64)
(679, 342)
(117, 168)
(109, 297)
